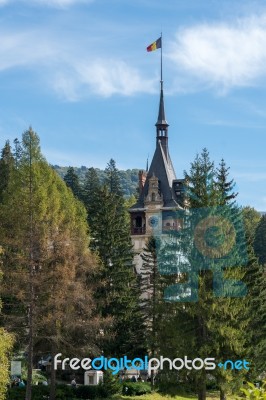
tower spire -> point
(161, 124)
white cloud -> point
(108, 77)
(72, 71)
(224, 55)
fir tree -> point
(251, 219)
(153, 306)
(17, 153)
(112, 179)
(119, 297)
(225, 187)
(72, 181)
(260, 240)
(6, 165)
(91, 197)
(214, 320)
(257, 294)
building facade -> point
(160, 193)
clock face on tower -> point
(153, 221)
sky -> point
(78, 72)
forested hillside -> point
(128, 178)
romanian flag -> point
(155, 45)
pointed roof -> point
(161, 166)
(161, 121)
(163, 169)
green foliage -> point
(88, 392)
(128, 178)
(41, 392)
(6, 342)
(254, 393)
(44, 234)
(110, 385)
(225, 187)
(211, 322)
(136, 388)
(118, 297)
(260, 240)
(72, 181)
(251, 218)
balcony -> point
(138, 230)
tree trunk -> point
(30, 348)
(222, 394)
(31, 284)
(53, 380)
(202, 388)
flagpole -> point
(161, 60)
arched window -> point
(153, 197)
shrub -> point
(136, 388)
(253, 392)
(63, 392)
(88, 392)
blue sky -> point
(79, 73)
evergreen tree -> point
(112, 179)
(6, 165)
(256, 283)
(17, 153)
(153, 306)
(225, 187)
(260, 240)
(200, 187)
(119, 296)
(212, 318)
(251, 218)
(72, 181)
(90, 196)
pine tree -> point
(225, 187)
(72, 181)
(119, 297)
(260, 240)
(256, 283)
(153, 306)
(17, 153)
(6, 165)
(91, 197)
(213, 319)
(200, 187)
(251, 219)
(112, 179)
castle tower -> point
(160, 193)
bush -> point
(88, 392)
(253, 392)
(16, 393)
(136, 388)
(63, 392)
